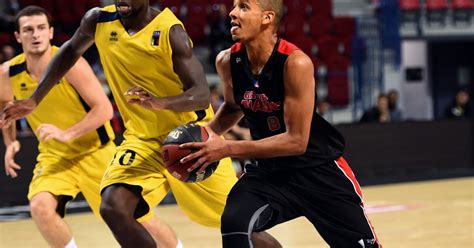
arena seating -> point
(462, 10)
(309, 24)
(410, 10)
(436, 11)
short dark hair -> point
(273, 5)
(31, 11)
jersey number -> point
(128, 156)
(273, 123)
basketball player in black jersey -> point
(299, 168)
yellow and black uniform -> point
(144, 59)
(64, 168)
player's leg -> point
(131, 187)
(93, 167)
(118, 211)
(164, 236)
(334, 205)
(240, 220)
(204, 202)
(54, 183)
(264, 240)
(44, 209)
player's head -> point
(462, 97)
(382, 102)
(130, 8)
(34, 29)
(250, 17)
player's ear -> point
(51, 33)
(17, 37)
(268, 17)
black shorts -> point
(328, 195)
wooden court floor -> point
(427, 214)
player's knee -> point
(109, 212)
(40, 208)
(231, 222)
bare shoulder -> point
(180, 41)
(5, 69)
(223, 59)
(92, 14)
(89, 21)
(298, 59)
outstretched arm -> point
(66, 57)
(196, 95)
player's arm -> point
(196, 95)
(66, 57)
(83, 79)
(229, 113)
(298, 113)
(9, 130)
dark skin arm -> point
(196, 90)
(66, 57)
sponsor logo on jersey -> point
(23, 87)
(259, 102)
(113, 36)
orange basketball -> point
(172, 154)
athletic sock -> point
(71, 244)
(179, 245)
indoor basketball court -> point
(435, 214)
(394, 77)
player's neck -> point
(259, 51)
(134, 25)
(37, 63)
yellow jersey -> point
(143, 59)
(62, 107)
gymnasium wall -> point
(378, 153)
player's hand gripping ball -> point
(172, 154)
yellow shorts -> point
(61, 176)
(139, 163)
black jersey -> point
(261, 98)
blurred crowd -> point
(217, 38)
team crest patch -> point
(113, 36)
(155, 38)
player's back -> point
(62, 107)
(143, 59)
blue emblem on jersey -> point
(155, 38)
(255, 83)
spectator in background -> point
(8, 11)
(395, 112)
(220, 37)
(216, 97)
(460, 108)
(380, 113)
(8, 52)
(322, 108)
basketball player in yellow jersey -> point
(158, 84)
(76, 141)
